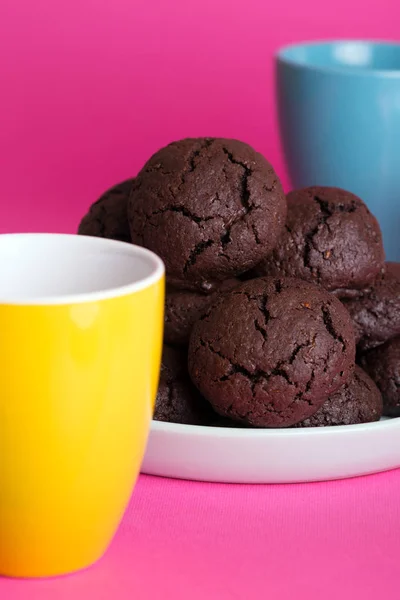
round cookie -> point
(107, 217)
(211, 208)
(184, 307)
(178, 401)
(383, 365)
(357, 401)
(330, 238)
(272, 351)
(376, 314)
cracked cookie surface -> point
(184, 307)
(357, 401)
(211, 208)
(330, 238)
(108, 216)
(376, 314)
(178, 401)
(272, 351)
(383, 365)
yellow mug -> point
(81, 322)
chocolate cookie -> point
(108, 217)
(357, 401)
(383, 365)
(211, 208)
(330, 238)
(272, 352)
(178, 401)
(376, 314)
(184, 307)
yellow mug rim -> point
(156, 268)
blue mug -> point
(339, 118)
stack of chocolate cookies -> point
(264, 292)
(376, 320)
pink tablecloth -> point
(182, 540)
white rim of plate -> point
(200, 430)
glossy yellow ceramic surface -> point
(78, 385)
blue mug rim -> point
(281, 56)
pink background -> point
(88, 89)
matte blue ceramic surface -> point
(339, 115)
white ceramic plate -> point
(272, 455)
